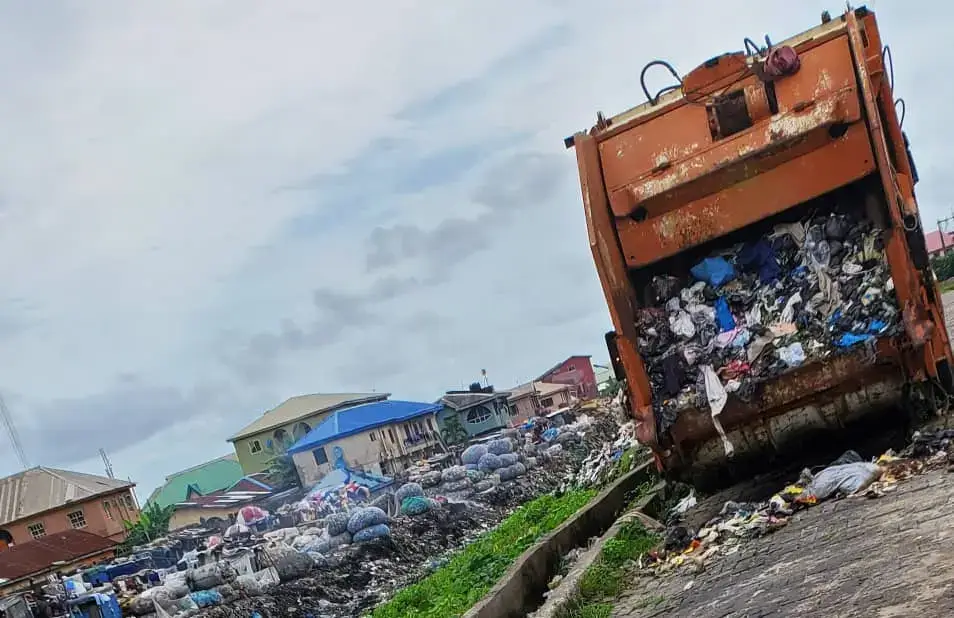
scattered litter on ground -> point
(847, 477)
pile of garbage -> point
(848, 476)
(185, 592)
(497, 457)
(758, 309)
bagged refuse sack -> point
(337, 523)
(488, 463)
(408, 490)
(415, 505)
(328, 544)
(176, 586)
(227, 591)
(206, 598)
(508, 459)
(288, 563)
(843, 479)
(431, 479)
(378, 531)
(365, 518)
(500, 446)
(147, 601)
(211, 575)
(257, 583)
(454, 473)
(472, 454)
(460, 485)
(484, 485)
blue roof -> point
(342, 423)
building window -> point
(391, 433)
(430, 425)
(254, 447)
(321, 457)
(107, 508)
(77, 519)
(37, 530)
(407, 431)
(127, 499)
(371, 435)
(478, 415)
(546, 403)
(513, 410)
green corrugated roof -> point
(211, 476)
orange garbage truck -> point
(755, 229)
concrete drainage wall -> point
(525, 582)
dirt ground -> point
(891, 557)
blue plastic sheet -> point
(723, 315)
(715, 271)
(760, 257)
(849, 339)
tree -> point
(281, 471)
(612, 388)
(454, 432)
(153, 523)
(944, 266)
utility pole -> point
(940, 231)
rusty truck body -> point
(727, 147)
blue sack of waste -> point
(408, 490)
(206, 598)
(337, 523)
(508, 459)
(500, 446)
(716, 271)
(366, 518)
(488, 463)
(472, 454)
(378, 531)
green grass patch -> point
(946, 286)
(455, 587)
(603, 581)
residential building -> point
(41, 502)
(466, 415)
(203, 479)
(57, 553)
(276, 430)
(939, 243)
(381, 437)
(537, 399)
(604, 378)
(576, 371)
(204, 508)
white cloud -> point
(179, 178)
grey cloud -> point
(512, 187)
(128, 413)
(516, 184)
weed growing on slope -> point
(455, 587)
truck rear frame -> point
(726, 149)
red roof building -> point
(938, 245)
(577, 371)
(61, 551)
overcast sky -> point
(207, 207)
